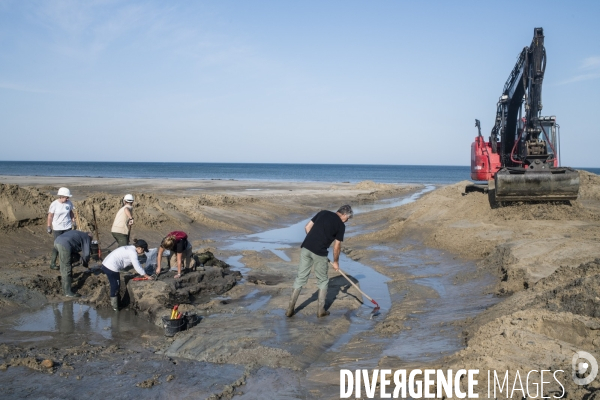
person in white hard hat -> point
(60, 219)
(123, 221)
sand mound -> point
(520, 242)
(589, 185)
(474, 206)
(370, 185)
(539, 328)
(25, 206)
(22, 206)
(545, 211)
(149, 211)
(217, 200)
(379, 191)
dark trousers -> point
(122, 240)
(114, 278)
(54, 251)
(64, 255)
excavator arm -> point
(523, 141)
(523, 87)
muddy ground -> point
(535, 262)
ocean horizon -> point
(427, 174)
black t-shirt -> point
(327, 227)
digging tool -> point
(128, 232)
(375, 310)
(97, 232)
(78, 220)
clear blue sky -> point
(355, 82)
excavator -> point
(520, 160)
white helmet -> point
(128, 198)
(64, 192)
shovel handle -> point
(78, 220)
(97, 233)
(356, 286)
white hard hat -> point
(128, 198)
(64, 192)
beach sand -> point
(536, 262)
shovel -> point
(375, 311)
(97, 233)
(78, 220)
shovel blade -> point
(375, 311)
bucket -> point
(172, 326)
(192, 320)
(94, 250)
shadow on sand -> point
(335, 286)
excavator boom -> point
(521, 156)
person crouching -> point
(119, 259)
(178, 243)
(65, 244)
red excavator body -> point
(484, 163)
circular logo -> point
(585, 368)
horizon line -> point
(244, 163)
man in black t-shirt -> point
(323, 229)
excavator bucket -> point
(553, 184)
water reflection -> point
(74, 318)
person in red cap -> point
(177, 242)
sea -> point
(426, 174)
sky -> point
(343, 82)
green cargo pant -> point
(64, 257)
(307, 260)
(54, 251)
(122, 240)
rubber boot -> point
(53, 257)
(67, 280)
(114, 302)
(293, 299)
(322, 297)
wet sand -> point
(450, 272)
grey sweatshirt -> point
(76, 241)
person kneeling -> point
(119, 259)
